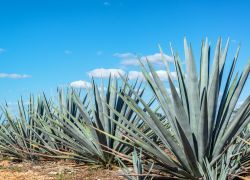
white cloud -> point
(81, 84)
(124, 55)
(131, 59)
(14, 76)
(161, 73)
(67, 52)
(104, 73)
(130, 62)
(157, 58)
(135, 74)
(16, 103)
(2, 50)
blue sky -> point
(50, 43)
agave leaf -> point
(235, 92)
(182, 84)
(204, 70)
(225, 97)
(161, 131)
(165, 101)
(213, 91)
(137, 135)
(193, 93)
(99, 118)
(181, 117)
(202, 139)
(189, 152)
(230, 131)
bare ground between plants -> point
(55, 171)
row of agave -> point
(192, 132)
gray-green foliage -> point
(19, 136)
(203, 133)
(201, 121)
(83, 127)
(138, 172)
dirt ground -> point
(55, 171)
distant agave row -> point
(73, 128)
(192, 133)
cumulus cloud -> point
(2, 50)
(124, 55)
(161, 73)
(81, 84)
(135, 75)
(131, 59)
(14, 76)
(16, 103)
(104, 73)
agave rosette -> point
(204, 125)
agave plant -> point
(18, 135)
(202, 122)
(233, 163)
(138, 168)
(240, 154)
(85, 131)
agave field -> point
(188, 128)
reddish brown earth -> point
(55, 171)
(61, 170)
